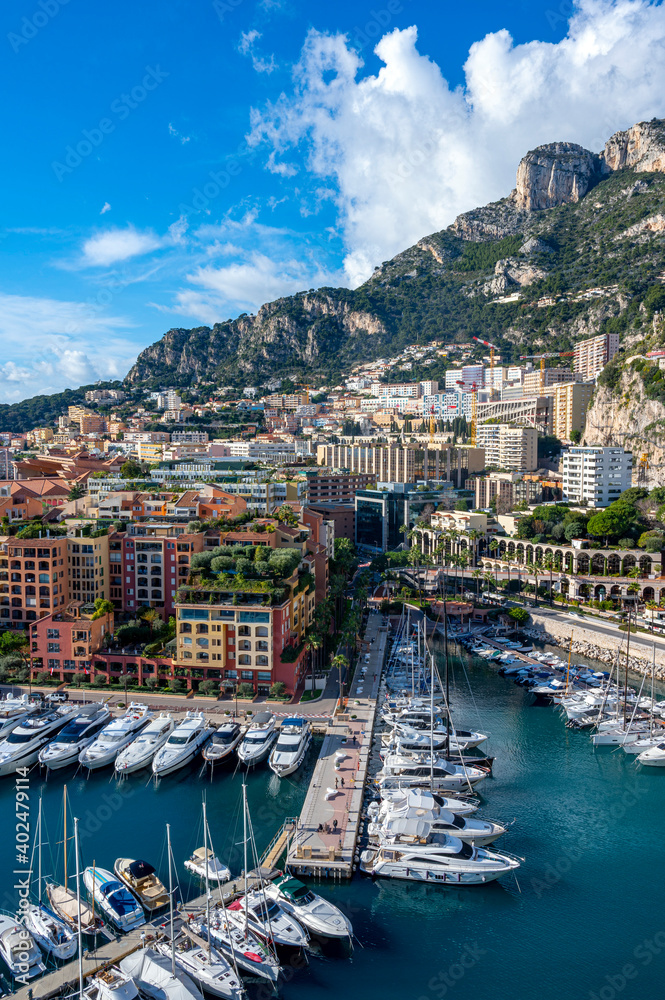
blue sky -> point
(173, 164)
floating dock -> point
(323, 843)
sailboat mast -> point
(244, 838)
(653, 671)
(168, 849)
(445, 651)
(431, 728)
(570, 649)
(78, 905)
(625, 686)
(39, 851)
(207, 870)
(64, 840)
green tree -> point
(77, 491)
(131, 470)
(613, 522)
(519, 615)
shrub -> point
(278, 689)
(245, 690)
(177, 684)
(209, 688)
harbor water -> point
(582, 919)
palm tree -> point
(340, 662)
(463, 560)
(150, 616)
(313, 644)
(476, 574)
(634, 573)
(537, 566)
(548, 564)
(652, 606)
(489, 580)
(474, 536)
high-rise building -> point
(571, 402)
(509, 447)
(536, 382)
(405, 463)
(593, 354)
(596, 476)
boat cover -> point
(152, 974)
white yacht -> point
(115, 737)
(140, 752)
(258, 739)
(443, 774)
(13, 711)
(204, 964)
(313, 912)
(52, 935)
(243, 947)
(419, 798)
(645, 743)
(420, 856)
(654, 757)
(22, 745)
(224, 741)
(620, 736)
(111, 984)
(476, 832)
(113, 899)
(266, 918)
(65, 749)
(151, 971)
(182, 745)
(295, 736)
(205, 864)
(18, 950)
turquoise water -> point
(583, 918)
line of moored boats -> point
(62, 735)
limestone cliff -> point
(641, 147)
(555, 174)
(625, 417)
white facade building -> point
(508, 447)
(596, 476)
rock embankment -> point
(593, 645)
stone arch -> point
(568, 562)
(582, 562)
(584, 589)
(615, 592)
(511, 549)
(613, 564)
(564, 585)
(519, 549)
(600, 592)
(598, 564)
(645, 564)
(627, 563)
(558, 560)
(528, 552)
(538, 555)
(661, 597)
(648, 594)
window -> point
(53, 647)
(262, 661)
(247, 675)
(245, 659)
(261, 630)
(43, 578)
(254, 616)
(264, 675)
(53, 664)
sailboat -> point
(52, 935)
(195, 955)
(239, 942)
(654, 737)
(64, 902)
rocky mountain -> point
(575, 249)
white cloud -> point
(115, 245)
(70, 344)
(406, 153)
(244, 286)
(105, 208)
(246, 47)
(177, 135)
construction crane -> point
(492, 348)
(432, 426)
(542, 358)
(642, 470)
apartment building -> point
(289, 401)
(33, 579)
(328, 488)
(571, 402)
(342, 516)
(596, 476)
(536, 382)
(509, 447)
(88, 568)
(169, 400)
(469, 375)
(154, 562)
(64, 643)
(510, 489)
(405, 463)
(448, 405)
(593, 354)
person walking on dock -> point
(342, 781)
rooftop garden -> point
(265, 573)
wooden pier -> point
(324, 841)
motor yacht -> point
(13, 711)
(141, 751)
(111, 984)
(205, 864)
(21, 746)
(646, 743)
(52, 935)
(224, 741)
(418, 798)
(290, 750)
(113, 899)
(620, 736)
(66, 748)
(443, 773)
(653, 757)
(476, 832)
(258, 740)
(312, 911)
(18, 950)
(141, 878)
(183, 744)
(268, 920)
(420, 856)
(115, 737)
